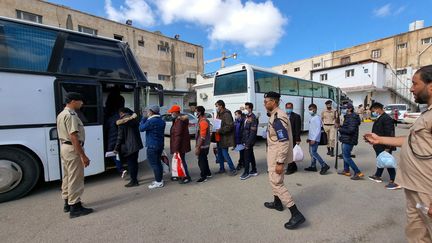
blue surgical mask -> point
(376, 114)
(312, 113)
(289, 111)
(344, 111)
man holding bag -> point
(295, 121)
(383, 126)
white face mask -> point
(312, 113)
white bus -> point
(38, 66)
(242, 83)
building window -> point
(190, 54)
(426, 41)
(163, 46)
(345, 60)
(141, 42)
(118, 37)
(401, 72)
(87, 30)
(29, 16)
(376, 53)
(296, 69)
(317, 65)
(284, 71)
(349, 73)
(323, 77)
(162, 77)
(191, 80)
(402, 46)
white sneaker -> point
(123, 175)
(156, 184)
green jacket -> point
(227, 129)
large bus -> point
(242, 83)
(39, 65)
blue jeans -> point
(348, 161)
(313, 151)
(154, 158)
(222, 156)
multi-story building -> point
(400, 56)
(169, 61)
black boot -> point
(66, 207)
(296, 218)
(328, 150)
(291, 169)
(276, 204)
(332, 152)
(77, 210)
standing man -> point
(154, 127)
(225, 137)
(349, 133)
(249, 137)
(279, 139)
(314, 138)
(180, 138)
(329, 119)
(295, 121)
(71, 134)
(383, 126)
(238, 133)
(415, 167)
(202, 138)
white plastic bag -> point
(165, 163)
(386, 160)
(297, 154)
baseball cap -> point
(154, 108)
(174, 108)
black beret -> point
(272, 94)
(328, 102)
(73, 96)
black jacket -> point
(129, 138)
(250, 130)
(349, 132)
(295, 121)
(383, 126)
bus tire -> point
(19, 173)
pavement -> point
(223, 209)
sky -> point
(264, 33)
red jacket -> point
(180, 138)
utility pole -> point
(222, 58)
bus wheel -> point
(19, 173)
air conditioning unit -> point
(203, 96)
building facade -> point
(169, 61)
(400, 55)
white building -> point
(204, 92)
(367, 81)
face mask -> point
(245, 112)
(375, 114)
(174, 115)
(312, 113)
(344, 111)
(289, 111)
(217, 109)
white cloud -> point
(258, 27)
(136, 10)
(388, 10)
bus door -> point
(91, 114)
(306, 116)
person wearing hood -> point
(154, 127)
(129, 143)
(180, 138)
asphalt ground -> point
(223, 209)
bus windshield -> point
(231, 83)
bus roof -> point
(57, 28)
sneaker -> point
(209, 176)
(357, 176)
(202, 179)
(174, 178)
(375, 178)
(233, 172)
(156, 184)
(253, 173)
(124, 173)
(132, 184)
(244, 176)
(324, 169)
(392, 186)
(345, 173)
(185, 180)
(310, 168)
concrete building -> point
(400, 55)
(169, 61)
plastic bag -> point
(386, 160)
(177, 169)
(297, 154)
(165, 163)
